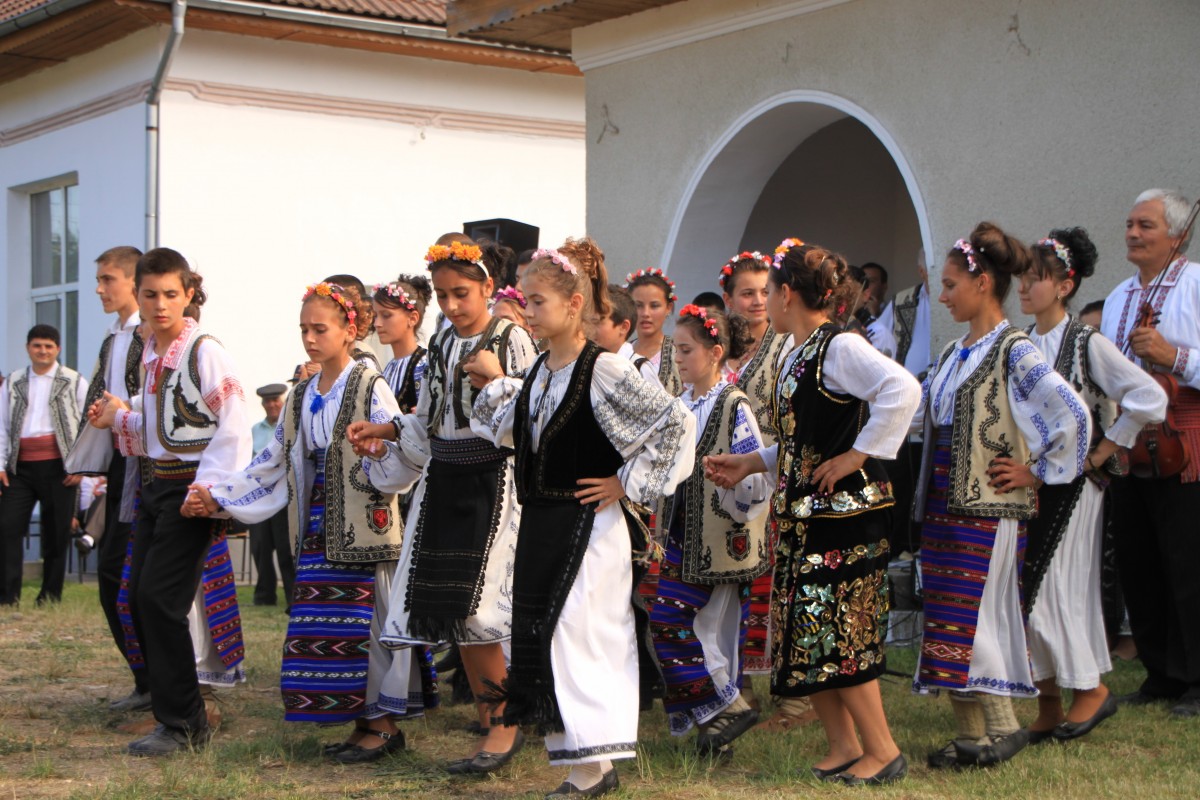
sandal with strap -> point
(357, 754)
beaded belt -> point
(467, 451)
(174, 470)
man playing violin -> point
(1154, 318)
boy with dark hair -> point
(40, 409)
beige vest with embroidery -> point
(716, 549)
(758, 381)
(984, 429)
(362, 524)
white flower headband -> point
(653, 272)
(1060, 250)
(964, 247)
(557, 258)
(396, 291)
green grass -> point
(58, 669)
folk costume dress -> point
(997, 397)
(190, 425)
(575, 660)
(1061, 579)
(756, 377)
(834, 392)
(404, 375)
(717, 544)
(348, 539)
(454, 582)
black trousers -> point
(270, 540)
(30, 483)
(1158, 547)
(168, 560)
(110, 560)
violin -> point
(1161, 451)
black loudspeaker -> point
(507, 232)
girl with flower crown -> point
(654, 296)
(716, 544)
(992, 409)
(1061, 579)
(509, 303)
(840, 407)
(334, 669)
(455, 577)
(743, 281)
(588, 433)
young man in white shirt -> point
(40, 409)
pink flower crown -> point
(397, 292)
(1060, 250)
(710, 325)
(747, 255)
(964, 247)
(782, 250)
(333, 292)
(653, 272)
(556, 257)
(511, 293)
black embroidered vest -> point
(572, 444)
(815, 423)
(133, 371)
(406, 393)
(494, 338)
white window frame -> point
(61, 290)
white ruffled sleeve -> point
(853, 366)
(127, 425)
(748, 499)
(1142, 401)
(1050, 415)
(231, 445)
(495, 411)
(652, 431)
(259, 491)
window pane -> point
(71, 268)
(48, 312)
(70, 331)
(57, 226)
(43, 258)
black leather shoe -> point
(831, 774)
(1066, 731)
(459, 766)
(608, 783)
(490, 762)
(895, 771)
(1040, 737)
(357, 754)
(1186, 708)
(135, 701)
(166, 741)
(725, 728)
(1001, 749)
(950, 756)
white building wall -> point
(1035, 115)
(266, 200)
(282, 163)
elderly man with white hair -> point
(1157, 534)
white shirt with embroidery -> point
(1177, 302)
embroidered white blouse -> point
(231, 444)
(1050, 415)
(853, 366)
(259, 491)
(401, 463)
(651, 430)
(1142, 401)
(1177, 300)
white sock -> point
(585, 776)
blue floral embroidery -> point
(1081, 423)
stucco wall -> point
(1060, 121)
